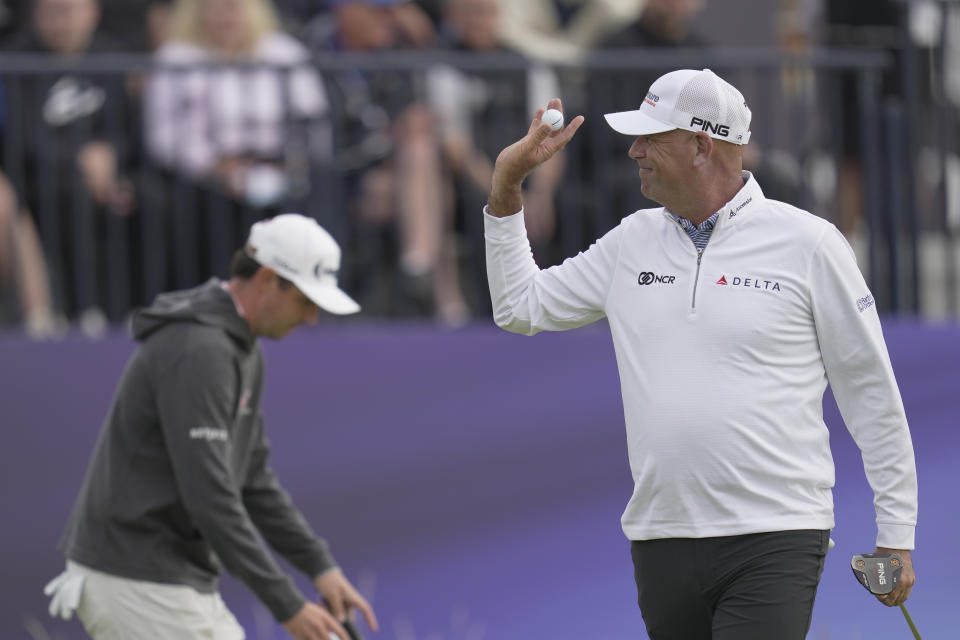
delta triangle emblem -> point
(722, 280)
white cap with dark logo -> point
(302, 251)
(691, 100)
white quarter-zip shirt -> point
(724, 354)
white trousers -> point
(115, 608)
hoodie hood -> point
(207, 304)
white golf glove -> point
(66, 590)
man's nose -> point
(312, 314)
(639, 148)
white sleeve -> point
(450, 95)
(859, 371)
(308, 99)
(290, 60)
(176, 120)
(527, 300)
(542, 84)
(159, 120)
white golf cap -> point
(691, 100)
(302, 251)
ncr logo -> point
(649, 277)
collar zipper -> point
(696, 278)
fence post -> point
(911, 92)
(868, 95)
(894, 131)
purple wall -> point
(470, 482)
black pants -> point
(752, 587)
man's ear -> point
(265, 276)
(704, 149)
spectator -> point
(661, 23)
(243, 138)
(802, 25)
(22, 267)
(156, 25)
(434, 10)
(127, 22)
(295, 14)
(10, 16)
(870, 25)
(24, 283)
(564, 30)
(67, 130)
(388, 150)
(478, 109)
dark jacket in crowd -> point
(50, 116)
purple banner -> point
(470, 482)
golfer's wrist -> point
(504, 201)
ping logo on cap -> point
(283, 264)
(319, 271)
(709, 127)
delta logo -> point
(750, 283)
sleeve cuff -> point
(896, 536)
(325, 572)
(284, 602)
(505, 227)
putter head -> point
(878, 572)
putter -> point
(351, 630)
(879, 573)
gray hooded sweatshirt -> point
(179, 481)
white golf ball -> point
(554, 118)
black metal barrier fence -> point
(827, 136)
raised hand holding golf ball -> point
(554, 118)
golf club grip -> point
(349, 627)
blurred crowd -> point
(114, 186)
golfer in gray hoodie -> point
(179, 483)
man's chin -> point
(648, 193)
